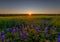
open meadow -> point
(29, 28)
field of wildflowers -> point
(30, 29)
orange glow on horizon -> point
(29, 14)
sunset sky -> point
(29, 6)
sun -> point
(30, 14)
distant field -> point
(54, 19)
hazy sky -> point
(29, 6)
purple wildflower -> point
(58, 38)
(53, 28)
(21, 35)
(46, 30)
(7, 30)
(37, 30)
(13, 30)
(24, 35)
(45, 21)
(2, 33)
(3, 37)
(17, 29)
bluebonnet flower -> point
(58, 38)
(24, 35)
(7, 30)
(21, 36)
(17, 29)
(37, 30)
(53, 28)
(46, 29)
(13, 31)
(3, 37)
(2, 33)
(44, 21)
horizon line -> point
(31, 14)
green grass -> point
(9, 21)
(55, 20)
